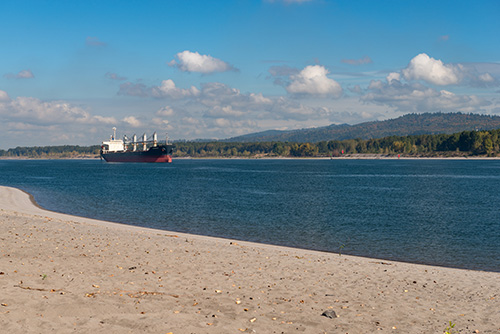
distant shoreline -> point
(345, 157)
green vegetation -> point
(449, 329)
(340, 249)
(462, 144)
(466, 143)
(48, 152)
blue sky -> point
(72, 70)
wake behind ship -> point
(118, 150)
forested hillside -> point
(411, 124)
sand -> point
(62, 274)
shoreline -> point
(66, 273)
(346, 157)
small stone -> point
(329, 314)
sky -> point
(70, 71)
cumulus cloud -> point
(433, 71)
(132, 121)
(31, 110)
(415, 97)
(362, 61)
(356, 89)
(286, 109)
(4, 97)
(165, 111)
(423, 67)
(313, 80)
(393, 76)
(24, 74)
(482, 75)
(188, 61)
(169, 89)
(218, 94)
(486, 77)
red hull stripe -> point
(127, 157)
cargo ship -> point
(126, 150)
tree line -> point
(466, 143)
(65, 151)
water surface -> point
(441, 212)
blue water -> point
(440, 212)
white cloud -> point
(24, 74)
(30, 110)
(423, 67)
(4, 96)
(190, 120)
(486, 77)
(416, 97)
(165, 111)
(132, 121)
(218, 94)
(168, 89)
(313, 80)
(188, 61)
(393, 76)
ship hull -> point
(157, 154)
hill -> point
(411, 124)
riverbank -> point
(264, 157)
(62, 273)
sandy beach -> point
(62, 274)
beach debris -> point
(329, 314)
(35, 289)
(132, 268)
(253, 319)
(380, 262)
